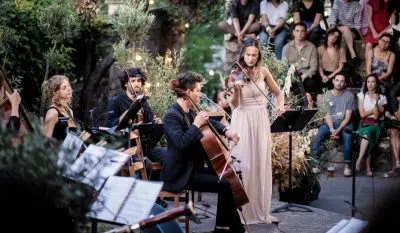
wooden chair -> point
(131, 169)
(176, 197)
(176, 203)
(155, 166)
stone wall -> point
(232, 52)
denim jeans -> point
(279, 40)
(324, 133)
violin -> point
(237, 77)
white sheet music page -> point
(140, 202)
(354, 226)
(338, 226)
(96, 164)
(69, 150)
(110, 165)
(86, 162)
(111, 197)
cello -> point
(218, 153)
(6, 105)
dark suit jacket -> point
(184, 148)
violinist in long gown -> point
(132, 82)
(250, 118)
(183, 168)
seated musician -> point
(183, 168)
(59, 117)
(14, 99)
(132, 81)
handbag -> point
(368, 121)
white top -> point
(273, 14)
(369, 103)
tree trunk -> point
(91, 84)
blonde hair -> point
(51, 87)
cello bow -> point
(7, 84)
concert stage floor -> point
(329, 209)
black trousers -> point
(205, 180)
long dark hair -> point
(249, 43)
(338, 41)
(378, 83)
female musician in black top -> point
(184, 164)
(59, 117)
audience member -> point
(303, 55)
(341, 104)
(393, 128)
(380, 20)
(370, 106)
(380, 61)
(348, 20)
(273, 18)
(332, 57)
(310, 12)
(243, 20)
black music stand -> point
(292, 121)
(150, 134)
(131, 113)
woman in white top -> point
(273, 17)
(371, 106)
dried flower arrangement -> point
(301, 141)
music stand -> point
(150, 134)
(292, 121)
(131, 113)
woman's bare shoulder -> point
(52, 115)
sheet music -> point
(96, 164)
(348, 226)
(354, 226)
(338, 226)
(69, 150)
(137, 205)
(111, 197)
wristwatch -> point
(226, 129)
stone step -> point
(382, 161)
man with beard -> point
(341, 104)
(133, 81)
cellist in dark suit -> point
(183, 168)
